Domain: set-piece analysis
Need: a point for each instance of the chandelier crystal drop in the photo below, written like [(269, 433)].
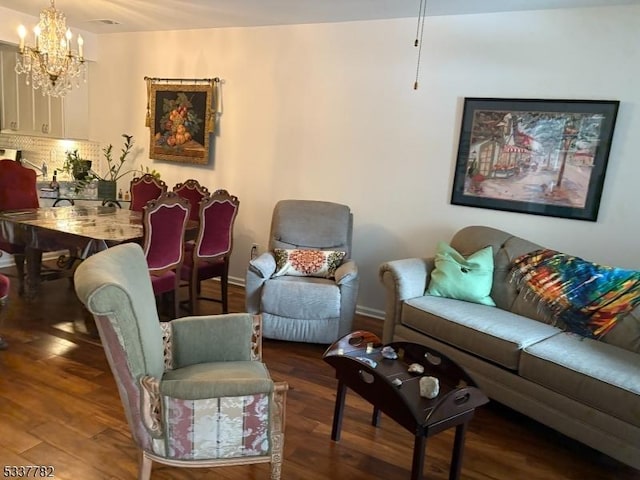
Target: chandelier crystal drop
[(51, 65)]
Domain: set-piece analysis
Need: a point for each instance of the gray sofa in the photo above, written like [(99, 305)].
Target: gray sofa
[(589, 390)]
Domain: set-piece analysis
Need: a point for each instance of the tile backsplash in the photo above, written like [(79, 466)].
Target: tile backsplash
[(51, 151)]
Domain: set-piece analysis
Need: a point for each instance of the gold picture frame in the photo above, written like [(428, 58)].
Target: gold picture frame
[(181, 121)]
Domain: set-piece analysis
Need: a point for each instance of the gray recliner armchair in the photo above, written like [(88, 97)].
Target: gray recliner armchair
[(299, 300)]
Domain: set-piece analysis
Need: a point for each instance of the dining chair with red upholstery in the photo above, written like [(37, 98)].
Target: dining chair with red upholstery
[(164, 221), (212, 250), (17, 191), (145, 188), (194, 192)]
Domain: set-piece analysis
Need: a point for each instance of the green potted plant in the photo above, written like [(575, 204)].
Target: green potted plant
[(107, 184), (78, 168)]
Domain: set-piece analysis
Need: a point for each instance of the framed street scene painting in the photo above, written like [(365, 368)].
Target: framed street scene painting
[(544, 157)]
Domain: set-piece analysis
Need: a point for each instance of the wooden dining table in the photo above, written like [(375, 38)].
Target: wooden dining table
[(83, 230)]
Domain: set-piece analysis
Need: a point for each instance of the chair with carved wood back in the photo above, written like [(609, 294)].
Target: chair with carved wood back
[(145, 188), (212, 250), (164, 221), (194, 192)]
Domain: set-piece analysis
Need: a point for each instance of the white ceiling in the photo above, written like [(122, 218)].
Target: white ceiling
[(149, 15)]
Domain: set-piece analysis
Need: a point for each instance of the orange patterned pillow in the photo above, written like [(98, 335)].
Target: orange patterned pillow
[(307, 263)]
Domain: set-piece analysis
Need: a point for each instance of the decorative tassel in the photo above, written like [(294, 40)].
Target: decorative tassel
[(213, 110), (147, 120)]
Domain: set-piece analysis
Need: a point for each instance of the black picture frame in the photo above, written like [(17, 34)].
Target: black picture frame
[(542, 157)]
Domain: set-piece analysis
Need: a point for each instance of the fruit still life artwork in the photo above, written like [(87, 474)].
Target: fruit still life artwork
[(179, 123), (180, 130)]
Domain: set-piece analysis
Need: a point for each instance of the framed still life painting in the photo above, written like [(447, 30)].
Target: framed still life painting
[(181, 119), (544, 157)]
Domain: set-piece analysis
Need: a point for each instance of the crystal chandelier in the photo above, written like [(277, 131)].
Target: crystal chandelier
[(51, 65)]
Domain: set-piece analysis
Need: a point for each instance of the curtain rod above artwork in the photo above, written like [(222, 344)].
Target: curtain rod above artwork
[(183, 80)]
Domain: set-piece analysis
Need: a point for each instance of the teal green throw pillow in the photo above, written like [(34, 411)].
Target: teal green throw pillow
[(462, 278)]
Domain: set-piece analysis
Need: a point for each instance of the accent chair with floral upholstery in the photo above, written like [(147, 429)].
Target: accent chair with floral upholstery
[(194, 390)]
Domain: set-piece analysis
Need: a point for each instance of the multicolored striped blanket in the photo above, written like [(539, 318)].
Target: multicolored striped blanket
[(586, 297)]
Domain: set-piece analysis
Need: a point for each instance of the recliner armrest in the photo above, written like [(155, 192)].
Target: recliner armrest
[(347, 272), (264, 265)]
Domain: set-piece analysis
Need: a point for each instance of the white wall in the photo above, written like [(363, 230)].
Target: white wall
[(328, 112)]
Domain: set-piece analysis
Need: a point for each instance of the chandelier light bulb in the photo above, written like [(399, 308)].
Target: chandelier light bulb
[(80, 46), (22, 33), (36, 33)]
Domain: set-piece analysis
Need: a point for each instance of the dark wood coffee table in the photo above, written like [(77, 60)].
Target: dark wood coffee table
[(360, 366)]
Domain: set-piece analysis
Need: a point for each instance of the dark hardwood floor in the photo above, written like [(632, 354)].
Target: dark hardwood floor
[(59, 406)]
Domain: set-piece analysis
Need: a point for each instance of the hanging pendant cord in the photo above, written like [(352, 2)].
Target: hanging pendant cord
[(422, 13)]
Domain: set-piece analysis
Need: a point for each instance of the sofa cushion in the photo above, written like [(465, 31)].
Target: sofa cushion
[(462, 278), (487, 332), (602, 376)]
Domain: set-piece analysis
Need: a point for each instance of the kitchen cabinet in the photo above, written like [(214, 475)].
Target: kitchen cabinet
[(9, 120), (26, 111), (47, 115)]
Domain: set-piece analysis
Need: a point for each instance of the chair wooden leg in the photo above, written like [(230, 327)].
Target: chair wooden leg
[(224, 290), (194, 285), (279, 399), (145, 467), (176, 296), (276, 456)]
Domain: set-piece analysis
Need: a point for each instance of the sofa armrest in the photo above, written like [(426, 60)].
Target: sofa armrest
[(402, 279)]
